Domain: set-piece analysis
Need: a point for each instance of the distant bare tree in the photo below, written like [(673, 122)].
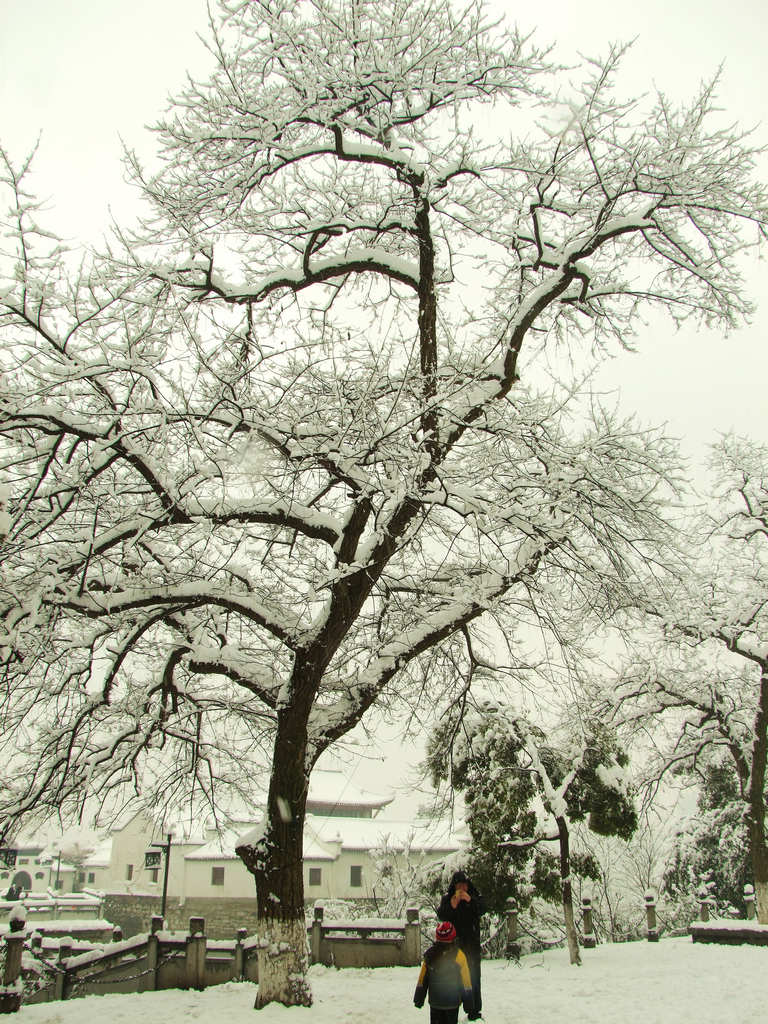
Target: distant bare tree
[(704, 677)]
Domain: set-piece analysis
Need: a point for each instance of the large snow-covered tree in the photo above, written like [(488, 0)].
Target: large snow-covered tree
[(704, 674), (269, 459)]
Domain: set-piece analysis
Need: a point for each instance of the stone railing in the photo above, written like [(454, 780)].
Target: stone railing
[(729, 931), (40, 969), (368, 942), (53, 906), (143, 963), (588, 938)]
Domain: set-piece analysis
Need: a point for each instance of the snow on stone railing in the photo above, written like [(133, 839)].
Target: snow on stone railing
[(728, 931), (366, 942), (142, 963), (54, 905)]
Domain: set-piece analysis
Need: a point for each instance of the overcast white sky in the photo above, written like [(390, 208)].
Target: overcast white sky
[(87, 72), (84, 73)]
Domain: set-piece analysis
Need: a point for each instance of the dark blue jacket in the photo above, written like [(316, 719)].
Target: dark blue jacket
[(444, 976)]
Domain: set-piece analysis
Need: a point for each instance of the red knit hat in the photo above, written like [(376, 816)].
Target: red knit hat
[(445, 932)]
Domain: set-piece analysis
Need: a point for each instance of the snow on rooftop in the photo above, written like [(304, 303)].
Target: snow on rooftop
[(101, 855), (333, 787), (327, 789), (314, 851), (223, 847), (322, 833), (369, 833), (181, 828)]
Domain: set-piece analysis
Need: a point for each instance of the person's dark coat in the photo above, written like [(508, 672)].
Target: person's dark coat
[(444, 977), (466, 916)]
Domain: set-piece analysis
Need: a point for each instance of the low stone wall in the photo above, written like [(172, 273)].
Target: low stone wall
[(732, 933), (223, 916), (366, 942), (81, 931)]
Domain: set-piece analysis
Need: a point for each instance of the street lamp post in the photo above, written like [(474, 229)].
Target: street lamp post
[(166, 849), (8, 856)]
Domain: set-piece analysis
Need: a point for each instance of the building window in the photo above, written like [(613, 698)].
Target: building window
[(5, 874), (129, 872), (81, 876), (217, 876), (315, 876), (58, 883), (23, 860), (356, 876), (39, 874), (91, 876), (153, 873)]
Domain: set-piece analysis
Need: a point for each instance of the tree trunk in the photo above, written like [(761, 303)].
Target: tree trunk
[(756, 800), (565, 875), (275, 859)]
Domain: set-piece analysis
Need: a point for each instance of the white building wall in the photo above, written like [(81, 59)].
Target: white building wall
[(193, 875), (129, 844), (237, 880)]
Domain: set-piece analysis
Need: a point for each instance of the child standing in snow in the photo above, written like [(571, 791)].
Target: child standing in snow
[(445, 977)]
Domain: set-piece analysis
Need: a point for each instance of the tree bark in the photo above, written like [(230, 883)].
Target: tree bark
[(565, 875), (275, 860), (756, 800)]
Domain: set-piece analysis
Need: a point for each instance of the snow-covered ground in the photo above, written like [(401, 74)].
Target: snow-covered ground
[(671, 982)]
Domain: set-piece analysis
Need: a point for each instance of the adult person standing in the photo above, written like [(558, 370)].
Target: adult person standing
[(463, 906)]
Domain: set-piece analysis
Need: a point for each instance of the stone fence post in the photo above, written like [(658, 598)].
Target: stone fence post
[(317, 935), (239, 965), (412, 944), (195, 950), (61, 978), (153, 960), (10, 1001), (650, 916), (703, 897), (749, 900), (588, 939), (512, 948)]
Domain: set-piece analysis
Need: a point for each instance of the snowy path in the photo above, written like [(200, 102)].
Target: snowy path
[(671, 982)]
